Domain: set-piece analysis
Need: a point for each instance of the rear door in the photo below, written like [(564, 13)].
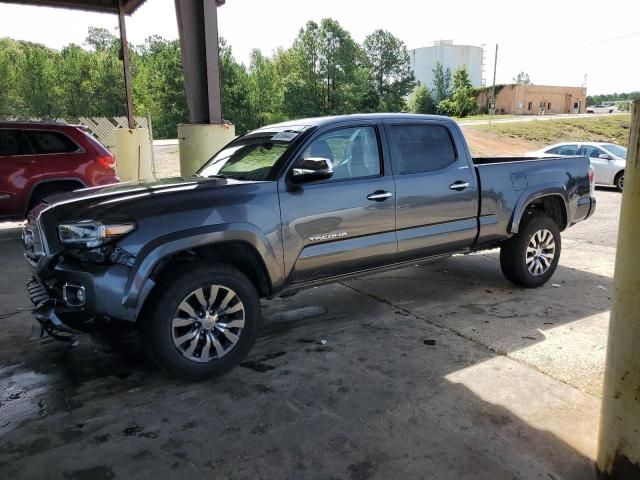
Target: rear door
[(344, 224), (18, 170), (436, 189), (58, 154)]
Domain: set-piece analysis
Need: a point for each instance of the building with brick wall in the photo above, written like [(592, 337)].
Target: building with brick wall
[(532, 99)]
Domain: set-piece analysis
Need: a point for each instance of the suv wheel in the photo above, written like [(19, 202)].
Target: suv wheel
[(530, 257), (202, 322)]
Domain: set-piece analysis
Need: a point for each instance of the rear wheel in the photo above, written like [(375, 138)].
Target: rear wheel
[(530, 257), (202, 322), (619, 181)]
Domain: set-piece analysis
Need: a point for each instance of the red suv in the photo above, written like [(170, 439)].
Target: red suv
[(38, 159)]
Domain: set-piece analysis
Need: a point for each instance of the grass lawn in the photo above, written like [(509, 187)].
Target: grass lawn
[(612, 128), (485, 117)]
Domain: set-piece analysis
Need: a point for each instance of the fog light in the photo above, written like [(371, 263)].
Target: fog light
[(73, 295)]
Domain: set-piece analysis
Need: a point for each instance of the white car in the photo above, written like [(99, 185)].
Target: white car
[(601, 109), (607, 159)]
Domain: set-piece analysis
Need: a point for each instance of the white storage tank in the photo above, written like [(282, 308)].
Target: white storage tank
[(450, 56)]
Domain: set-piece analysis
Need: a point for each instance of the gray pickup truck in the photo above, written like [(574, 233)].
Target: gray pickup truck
[(282, 208)]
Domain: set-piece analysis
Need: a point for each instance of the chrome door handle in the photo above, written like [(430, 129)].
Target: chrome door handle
[(379, 196), (459, 185)]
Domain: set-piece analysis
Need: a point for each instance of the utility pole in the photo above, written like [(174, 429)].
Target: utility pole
[(124, 53), (492, 109), (619, 443)]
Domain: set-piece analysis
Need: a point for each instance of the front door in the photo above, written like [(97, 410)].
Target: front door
[(602, 168), (18, 169), (576, 107), (346, 223), (436, 190)]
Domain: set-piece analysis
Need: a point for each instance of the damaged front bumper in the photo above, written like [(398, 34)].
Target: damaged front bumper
[(63, 313), (45, 312)]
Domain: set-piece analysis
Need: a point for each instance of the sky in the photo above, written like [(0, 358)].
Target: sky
[(557, 42)]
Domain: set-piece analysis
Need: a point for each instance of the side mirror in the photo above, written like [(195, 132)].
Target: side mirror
[(605, 156), (311, 169)]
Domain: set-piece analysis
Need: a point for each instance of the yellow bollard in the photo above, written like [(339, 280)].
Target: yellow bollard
[(199, 142), (619, 442), (133, 154)]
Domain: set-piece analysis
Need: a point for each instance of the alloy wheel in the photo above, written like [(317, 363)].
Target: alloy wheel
[(208, 323), (540, 252)]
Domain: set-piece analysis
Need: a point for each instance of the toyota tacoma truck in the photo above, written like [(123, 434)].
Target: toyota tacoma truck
[(285, 207)]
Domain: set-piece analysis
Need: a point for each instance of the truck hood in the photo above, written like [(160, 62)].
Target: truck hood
[(118, 199)]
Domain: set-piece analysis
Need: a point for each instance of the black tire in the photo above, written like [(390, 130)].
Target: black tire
[(513, 260), (618, 182), (158, 328)]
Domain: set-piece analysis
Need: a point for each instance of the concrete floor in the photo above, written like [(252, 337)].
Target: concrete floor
[(443, 371)]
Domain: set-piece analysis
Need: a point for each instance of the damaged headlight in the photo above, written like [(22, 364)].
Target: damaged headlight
[(90, 234)]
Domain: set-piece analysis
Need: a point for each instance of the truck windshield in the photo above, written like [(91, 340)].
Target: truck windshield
[(249, 158)]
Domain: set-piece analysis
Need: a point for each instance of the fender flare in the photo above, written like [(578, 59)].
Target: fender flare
[(139, 284), (528, 196)]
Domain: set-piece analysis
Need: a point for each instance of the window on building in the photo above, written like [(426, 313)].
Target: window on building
[(549, 106), (530, 105)]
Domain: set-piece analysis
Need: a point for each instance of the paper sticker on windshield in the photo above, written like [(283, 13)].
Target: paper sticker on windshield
[(284, 136)]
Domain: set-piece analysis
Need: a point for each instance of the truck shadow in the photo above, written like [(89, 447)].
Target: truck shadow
[(396, 374)]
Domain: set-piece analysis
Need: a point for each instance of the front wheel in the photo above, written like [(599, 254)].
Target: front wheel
[(201, 322), (530, 257), (619, 181)]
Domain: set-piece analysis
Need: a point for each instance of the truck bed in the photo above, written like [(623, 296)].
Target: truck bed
[(508, 184), (492, 160)]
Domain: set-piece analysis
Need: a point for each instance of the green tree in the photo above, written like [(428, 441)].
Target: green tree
[(38, 81), (301, 65), (421, 101), (522, 79), (158, 85), (462, 101), (441, 82), (102, 40), (390, 70), (299, 90), (266, 92), (9, 97), (340, 63), (235, 90), (76, 89)]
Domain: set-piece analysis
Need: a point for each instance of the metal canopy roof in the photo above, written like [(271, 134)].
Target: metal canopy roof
[(105, 6)]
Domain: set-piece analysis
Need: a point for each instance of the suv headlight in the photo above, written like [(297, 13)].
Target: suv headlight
[(90, 234)]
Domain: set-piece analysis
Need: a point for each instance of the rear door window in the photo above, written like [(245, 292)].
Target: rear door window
[(420, 148), (12, 142), (48, 141), (564, 150)]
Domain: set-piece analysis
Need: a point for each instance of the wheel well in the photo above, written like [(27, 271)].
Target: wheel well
[(43, 189), (238, 254), (552, 206), (615, 179)]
